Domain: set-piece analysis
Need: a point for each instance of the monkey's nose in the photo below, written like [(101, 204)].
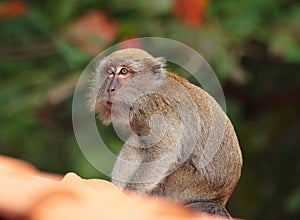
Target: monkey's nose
[(111, 93)]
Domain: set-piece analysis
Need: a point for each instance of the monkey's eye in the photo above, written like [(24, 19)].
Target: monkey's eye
[(110, 72), (123, 71)]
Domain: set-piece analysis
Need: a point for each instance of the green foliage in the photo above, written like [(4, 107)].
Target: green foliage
[(253, 46)]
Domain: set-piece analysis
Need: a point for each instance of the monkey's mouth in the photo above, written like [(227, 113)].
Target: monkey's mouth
[(115, 104), (109, 105)]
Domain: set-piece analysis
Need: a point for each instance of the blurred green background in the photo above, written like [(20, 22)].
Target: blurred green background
[(253, 46)]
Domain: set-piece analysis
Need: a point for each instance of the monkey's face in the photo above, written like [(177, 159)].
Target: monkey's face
[(108, 95), (115, 76)]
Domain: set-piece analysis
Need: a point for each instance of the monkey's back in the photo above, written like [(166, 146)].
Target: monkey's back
[(215, 163)]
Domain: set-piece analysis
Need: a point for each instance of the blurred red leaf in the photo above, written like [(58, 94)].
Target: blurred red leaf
[(191, 12), (92, 31), (12, 8), (130, 42)]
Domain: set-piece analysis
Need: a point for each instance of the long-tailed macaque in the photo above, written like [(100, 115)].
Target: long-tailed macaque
[(181, 145)]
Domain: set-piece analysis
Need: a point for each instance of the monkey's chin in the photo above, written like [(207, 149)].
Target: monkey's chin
[(103, 110), (106, 109)]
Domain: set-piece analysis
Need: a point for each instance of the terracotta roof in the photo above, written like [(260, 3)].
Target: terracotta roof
[(27, 193)]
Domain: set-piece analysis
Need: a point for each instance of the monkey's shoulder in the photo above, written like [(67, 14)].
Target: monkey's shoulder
[(184, 82), (195, 91), (181, 80)]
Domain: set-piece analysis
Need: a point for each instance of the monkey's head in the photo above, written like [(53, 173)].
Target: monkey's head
[(113, 72)]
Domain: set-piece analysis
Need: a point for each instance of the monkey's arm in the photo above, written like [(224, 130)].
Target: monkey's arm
[(141, 170), (126, 165)]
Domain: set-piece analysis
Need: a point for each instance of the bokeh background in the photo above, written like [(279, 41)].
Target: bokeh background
[(253, 46)]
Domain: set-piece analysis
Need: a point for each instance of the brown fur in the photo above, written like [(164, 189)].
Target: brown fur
[(205, 188)]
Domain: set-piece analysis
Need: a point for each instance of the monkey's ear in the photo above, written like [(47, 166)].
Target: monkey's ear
[(159, 64)]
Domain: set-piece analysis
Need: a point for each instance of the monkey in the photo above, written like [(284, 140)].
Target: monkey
[(180, 143)]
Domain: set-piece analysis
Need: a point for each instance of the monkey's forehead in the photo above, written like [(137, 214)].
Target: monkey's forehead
[(128, 54)]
